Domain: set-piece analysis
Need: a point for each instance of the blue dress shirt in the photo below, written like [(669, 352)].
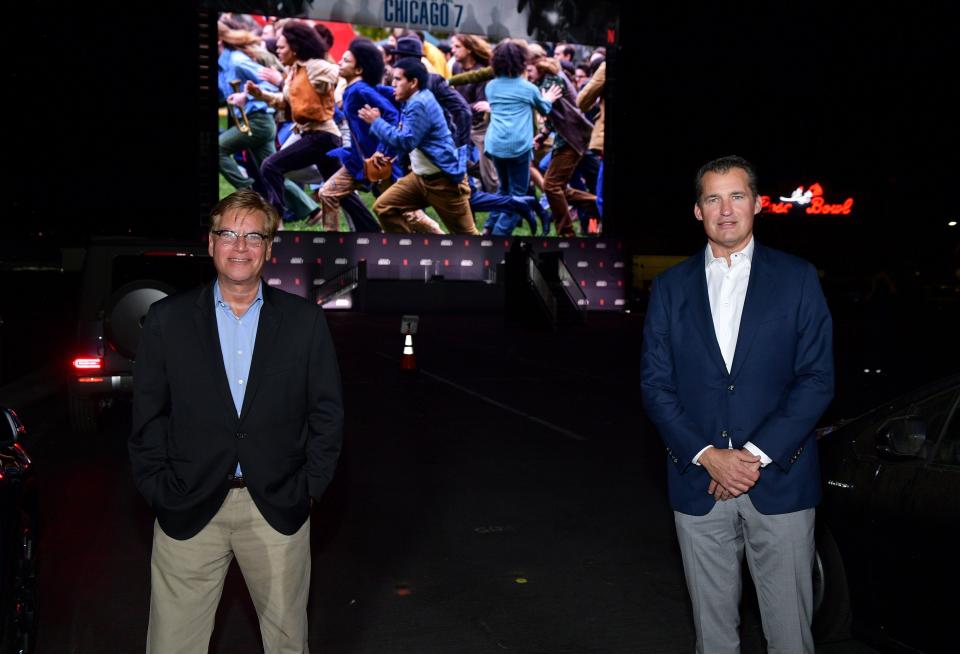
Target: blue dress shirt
[(512, 100), (237, 337)]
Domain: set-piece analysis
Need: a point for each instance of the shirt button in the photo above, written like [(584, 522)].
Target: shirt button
[(239, 381), (241, 434), (723, 433), (730, 387), (239, 351)]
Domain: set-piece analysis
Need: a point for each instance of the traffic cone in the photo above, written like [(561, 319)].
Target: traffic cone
[(408, 361)]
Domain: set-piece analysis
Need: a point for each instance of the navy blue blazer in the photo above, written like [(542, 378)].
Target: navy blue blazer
[(780, 383)]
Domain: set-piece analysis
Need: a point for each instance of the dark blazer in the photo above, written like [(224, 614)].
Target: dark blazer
[(780, 383), (187, 438), (456, 111)]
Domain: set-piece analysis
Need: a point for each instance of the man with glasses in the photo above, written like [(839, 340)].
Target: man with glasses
[(236, 431)]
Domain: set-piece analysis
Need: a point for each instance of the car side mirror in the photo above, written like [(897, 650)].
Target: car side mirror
[(11, 429), (902, 437)]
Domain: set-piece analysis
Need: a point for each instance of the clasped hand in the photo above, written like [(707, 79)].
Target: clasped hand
[(732, 472)]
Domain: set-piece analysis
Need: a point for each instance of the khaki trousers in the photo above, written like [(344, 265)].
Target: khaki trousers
[(411, 192), (338, 186), (186, 580)]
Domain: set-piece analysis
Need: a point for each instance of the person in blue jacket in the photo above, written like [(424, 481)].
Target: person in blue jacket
[(438, 166), (233, 64), (737, 368), (362, 67)]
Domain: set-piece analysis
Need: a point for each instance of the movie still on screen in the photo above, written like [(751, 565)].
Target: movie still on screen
[(327, 115)]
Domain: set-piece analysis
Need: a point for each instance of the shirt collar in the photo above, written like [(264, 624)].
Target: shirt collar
[(745, 254), (218, 295)]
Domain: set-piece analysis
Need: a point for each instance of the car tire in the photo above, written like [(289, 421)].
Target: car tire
[(84, 414), (831, 610)]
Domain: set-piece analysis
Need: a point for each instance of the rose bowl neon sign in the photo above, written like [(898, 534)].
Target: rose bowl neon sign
[(810, 201)]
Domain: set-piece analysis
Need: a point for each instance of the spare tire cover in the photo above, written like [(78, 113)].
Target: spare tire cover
[(126, 310)]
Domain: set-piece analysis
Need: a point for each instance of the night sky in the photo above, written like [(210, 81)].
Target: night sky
[(859, 98)]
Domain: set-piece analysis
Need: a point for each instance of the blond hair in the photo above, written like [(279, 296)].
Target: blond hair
[(245, 201)]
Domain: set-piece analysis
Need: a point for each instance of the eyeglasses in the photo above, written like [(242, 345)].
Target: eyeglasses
[(229, 237)]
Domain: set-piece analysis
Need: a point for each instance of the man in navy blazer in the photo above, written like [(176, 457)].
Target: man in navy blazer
[(737, 368)]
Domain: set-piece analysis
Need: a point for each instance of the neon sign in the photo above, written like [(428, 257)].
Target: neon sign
[(811, 201)]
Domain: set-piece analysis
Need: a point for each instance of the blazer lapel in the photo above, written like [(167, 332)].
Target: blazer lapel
[(758, 290), (267, 329), (205, 321), (700, 310)]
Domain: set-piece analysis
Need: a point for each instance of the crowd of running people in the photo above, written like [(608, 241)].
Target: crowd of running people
[(462, 126)]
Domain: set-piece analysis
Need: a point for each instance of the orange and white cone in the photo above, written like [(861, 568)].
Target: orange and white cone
[(408, 361)]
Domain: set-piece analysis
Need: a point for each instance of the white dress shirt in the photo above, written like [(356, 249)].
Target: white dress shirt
[(727, 291)]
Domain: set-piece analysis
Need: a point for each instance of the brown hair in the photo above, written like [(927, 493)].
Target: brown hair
[(245, 201), (245, 41), (478, 47), (722, 166), (546, 65), (509, 59)]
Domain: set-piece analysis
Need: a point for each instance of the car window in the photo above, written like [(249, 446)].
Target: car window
[(934, 412), (179, 272)]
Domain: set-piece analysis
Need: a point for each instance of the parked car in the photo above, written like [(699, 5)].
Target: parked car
[(121, 279), (888, 524), (18, 529)]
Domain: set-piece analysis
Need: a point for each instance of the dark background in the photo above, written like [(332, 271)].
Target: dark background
[(110, 130), (113, 125), (856, 95), (113, 131)]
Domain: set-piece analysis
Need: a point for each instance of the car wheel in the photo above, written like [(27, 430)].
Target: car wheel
[(831, 597), (84, 415)]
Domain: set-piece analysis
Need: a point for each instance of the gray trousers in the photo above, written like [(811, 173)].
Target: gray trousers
[(779, 551)]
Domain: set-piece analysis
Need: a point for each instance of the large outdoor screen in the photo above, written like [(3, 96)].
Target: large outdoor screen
[(534, 166)]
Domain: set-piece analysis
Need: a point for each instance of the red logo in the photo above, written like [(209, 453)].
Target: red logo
[(811, 200)]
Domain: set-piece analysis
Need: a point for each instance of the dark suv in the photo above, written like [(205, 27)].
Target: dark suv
[(18, 528), (121, 279)]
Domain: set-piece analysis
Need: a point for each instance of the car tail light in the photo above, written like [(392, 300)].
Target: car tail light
[(88, 363)]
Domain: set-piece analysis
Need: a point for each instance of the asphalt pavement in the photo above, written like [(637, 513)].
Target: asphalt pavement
[(509, 496)]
